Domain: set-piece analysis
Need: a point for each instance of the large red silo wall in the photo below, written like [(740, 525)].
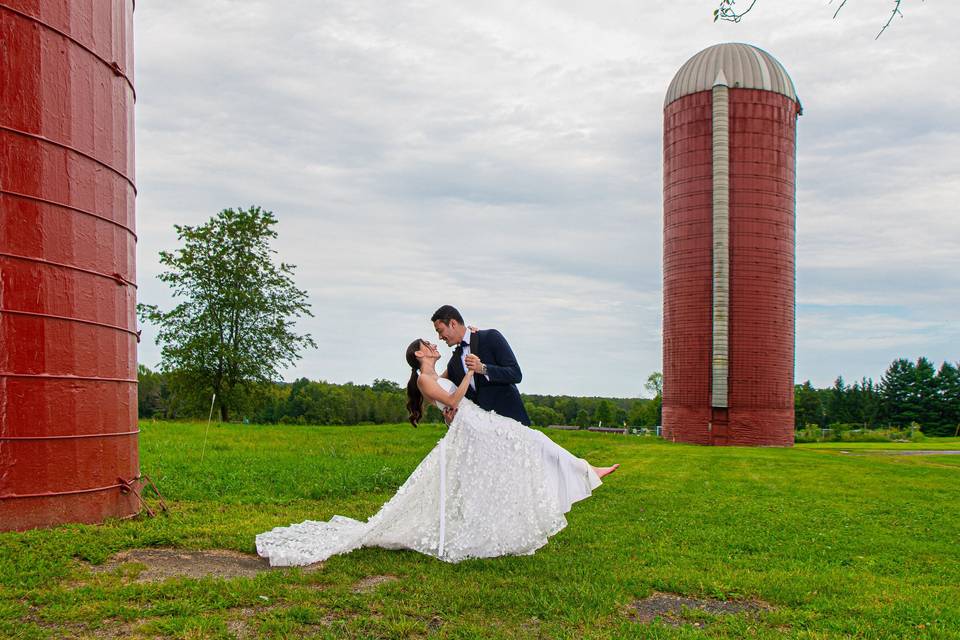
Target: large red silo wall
[(687, 267), (762, 269), (762, 272), (68, 396)]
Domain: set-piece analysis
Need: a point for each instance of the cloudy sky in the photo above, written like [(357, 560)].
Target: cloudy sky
[(505, 157)]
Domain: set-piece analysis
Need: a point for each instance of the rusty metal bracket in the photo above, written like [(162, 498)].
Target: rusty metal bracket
[(142, 480)]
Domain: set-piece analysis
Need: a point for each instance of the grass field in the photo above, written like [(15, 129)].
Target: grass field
[(840, 540)]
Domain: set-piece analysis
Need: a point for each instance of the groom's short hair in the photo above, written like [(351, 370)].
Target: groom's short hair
[(445, 314)]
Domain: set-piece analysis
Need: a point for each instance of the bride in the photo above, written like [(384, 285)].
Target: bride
[(491, 487)]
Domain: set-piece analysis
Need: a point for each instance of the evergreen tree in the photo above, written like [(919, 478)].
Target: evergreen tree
[(863, 403), (948, 398), (837, 406), (868, 403), (926, 398), (854, 403), (899, 402)]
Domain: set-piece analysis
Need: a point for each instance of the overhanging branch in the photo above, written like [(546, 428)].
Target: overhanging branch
[(728, 13)]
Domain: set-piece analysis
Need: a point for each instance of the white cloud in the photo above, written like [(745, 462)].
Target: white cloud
[(506, 158)]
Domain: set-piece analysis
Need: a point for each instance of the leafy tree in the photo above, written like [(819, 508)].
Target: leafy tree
[(654, 385), (149, 393), (807, 406), (603, 414), (542, 416), (582, 419), (271, 403), (619, 417), (568, 409), (655, 412), (234, 325), (166, 396), (381, 385)]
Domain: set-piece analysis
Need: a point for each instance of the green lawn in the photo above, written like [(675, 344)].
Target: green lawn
[(859, 544)]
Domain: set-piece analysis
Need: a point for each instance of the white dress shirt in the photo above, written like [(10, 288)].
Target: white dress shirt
[(464, 354)]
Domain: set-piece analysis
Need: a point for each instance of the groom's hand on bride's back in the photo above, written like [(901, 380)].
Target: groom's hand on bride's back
[(448, 415)]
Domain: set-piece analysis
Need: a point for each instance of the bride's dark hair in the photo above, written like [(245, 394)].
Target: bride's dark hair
[(414, 397)]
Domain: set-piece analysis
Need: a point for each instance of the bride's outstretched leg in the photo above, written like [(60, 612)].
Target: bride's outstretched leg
[(605, 471)]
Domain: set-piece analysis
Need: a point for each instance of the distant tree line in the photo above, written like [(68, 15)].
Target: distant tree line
[(169, 396), (908, 394)]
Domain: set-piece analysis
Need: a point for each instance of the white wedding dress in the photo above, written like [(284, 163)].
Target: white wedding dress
[(491, 487)]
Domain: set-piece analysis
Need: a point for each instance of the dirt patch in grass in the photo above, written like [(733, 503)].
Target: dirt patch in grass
[(240, 621), (114, 632), (675, 610), (240, 628), (365, 585), (155, 565), (110, 628), (244, 622)]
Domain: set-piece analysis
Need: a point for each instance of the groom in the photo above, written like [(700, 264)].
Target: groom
[(487, 354)]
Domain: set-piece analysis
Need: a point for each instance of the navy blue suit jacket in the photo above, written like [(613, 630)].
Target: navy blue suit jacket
[(500, 392)]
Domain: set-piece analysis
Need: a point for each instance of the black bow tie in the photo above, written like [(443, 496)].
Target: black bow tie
[(464, 344)]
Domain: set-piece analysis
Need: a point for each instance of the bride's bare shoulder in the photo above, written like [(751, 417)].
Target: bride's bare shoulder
[(429, 387), (422, 380)]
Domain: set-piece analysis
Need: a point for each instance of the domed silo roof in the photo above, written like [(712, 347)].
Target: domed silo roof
[(743, 66)]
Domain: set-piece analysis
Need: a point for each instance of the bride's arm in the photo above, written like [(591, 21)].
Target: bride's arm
[(433, 391)]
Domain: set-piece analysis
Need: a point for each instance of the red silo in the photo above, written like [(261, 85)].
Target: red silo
[(68, 341), (728, 250)]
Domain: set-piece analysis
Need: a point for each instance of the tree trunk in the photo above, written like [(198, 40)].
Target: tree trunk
[(224, 412)]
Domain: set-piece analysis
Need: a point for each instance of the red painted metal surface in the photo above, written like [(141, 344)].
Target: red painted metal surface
[(762, 226), (687, 267), (68, 397)]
